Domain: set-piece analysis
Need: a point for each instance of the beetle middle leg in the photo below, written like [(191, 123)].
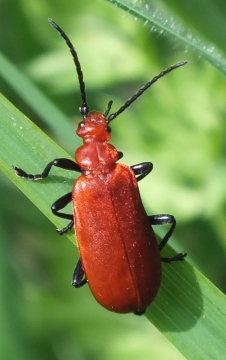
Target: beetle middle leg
[(78, 279), (60, 204), (163, 219), (63, 163)]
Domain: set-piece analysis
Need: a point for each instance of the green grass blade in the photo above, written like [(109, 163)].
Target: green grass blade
[(36, 100), (189, 310), (156, 21), (24, 145)]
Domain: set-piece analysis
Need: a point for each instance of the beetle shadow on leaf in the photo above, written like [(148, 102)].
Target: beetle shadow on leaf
[(179, 303)]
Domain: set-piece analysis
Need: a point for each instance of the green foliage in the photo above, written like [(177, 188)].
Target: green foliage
[(178, 125)]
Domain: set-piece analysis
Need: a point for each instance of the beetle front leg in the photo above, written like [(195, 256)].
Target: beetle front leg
[(162, 220), (66, 164), (120, 155), (142, 169), (78, 275), (60, 204)]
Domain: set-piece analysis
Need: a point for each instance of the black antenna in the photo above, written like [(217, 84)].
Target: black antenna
[(84, 110), (108, 108), (143, 89)]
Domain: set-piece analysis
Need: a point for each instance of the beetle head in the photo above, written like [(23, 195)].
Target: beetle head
[(94, 127)]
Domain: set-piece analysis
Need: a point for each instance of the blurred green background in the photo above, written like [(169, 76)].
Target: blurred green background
[(179, 125)]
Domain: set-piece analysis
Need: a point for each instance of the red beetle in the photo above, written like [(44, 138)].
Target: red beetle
[(119, 254)]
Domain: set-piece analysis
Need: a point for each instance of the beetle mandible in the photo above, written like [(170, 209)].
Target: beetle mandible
[(119, 254)]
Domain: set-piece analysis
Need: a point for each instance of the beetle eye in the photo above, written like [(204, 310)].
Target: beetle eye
[(108, 129), (81, 124)]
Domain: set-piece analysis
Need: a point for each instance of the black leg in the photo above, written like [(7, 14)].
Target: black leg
[(177, 257), (77, 279), (120, 155), (60, 204), (142, 169), (61, 163), (139, 312), (162, 220)]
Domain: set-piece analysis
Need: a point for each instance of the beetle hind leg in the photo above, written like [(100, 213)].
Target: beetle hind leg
[(163, 219), (78, 279), (139, 312)]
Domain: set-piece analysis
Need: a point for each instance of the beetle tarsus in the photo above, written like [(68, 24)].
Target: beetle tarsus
[(21, 173), (66, 228), (177, 257)]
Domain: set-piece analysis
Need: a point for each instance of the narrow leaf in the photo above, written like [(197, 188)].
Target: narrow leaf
[(158, 22)]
